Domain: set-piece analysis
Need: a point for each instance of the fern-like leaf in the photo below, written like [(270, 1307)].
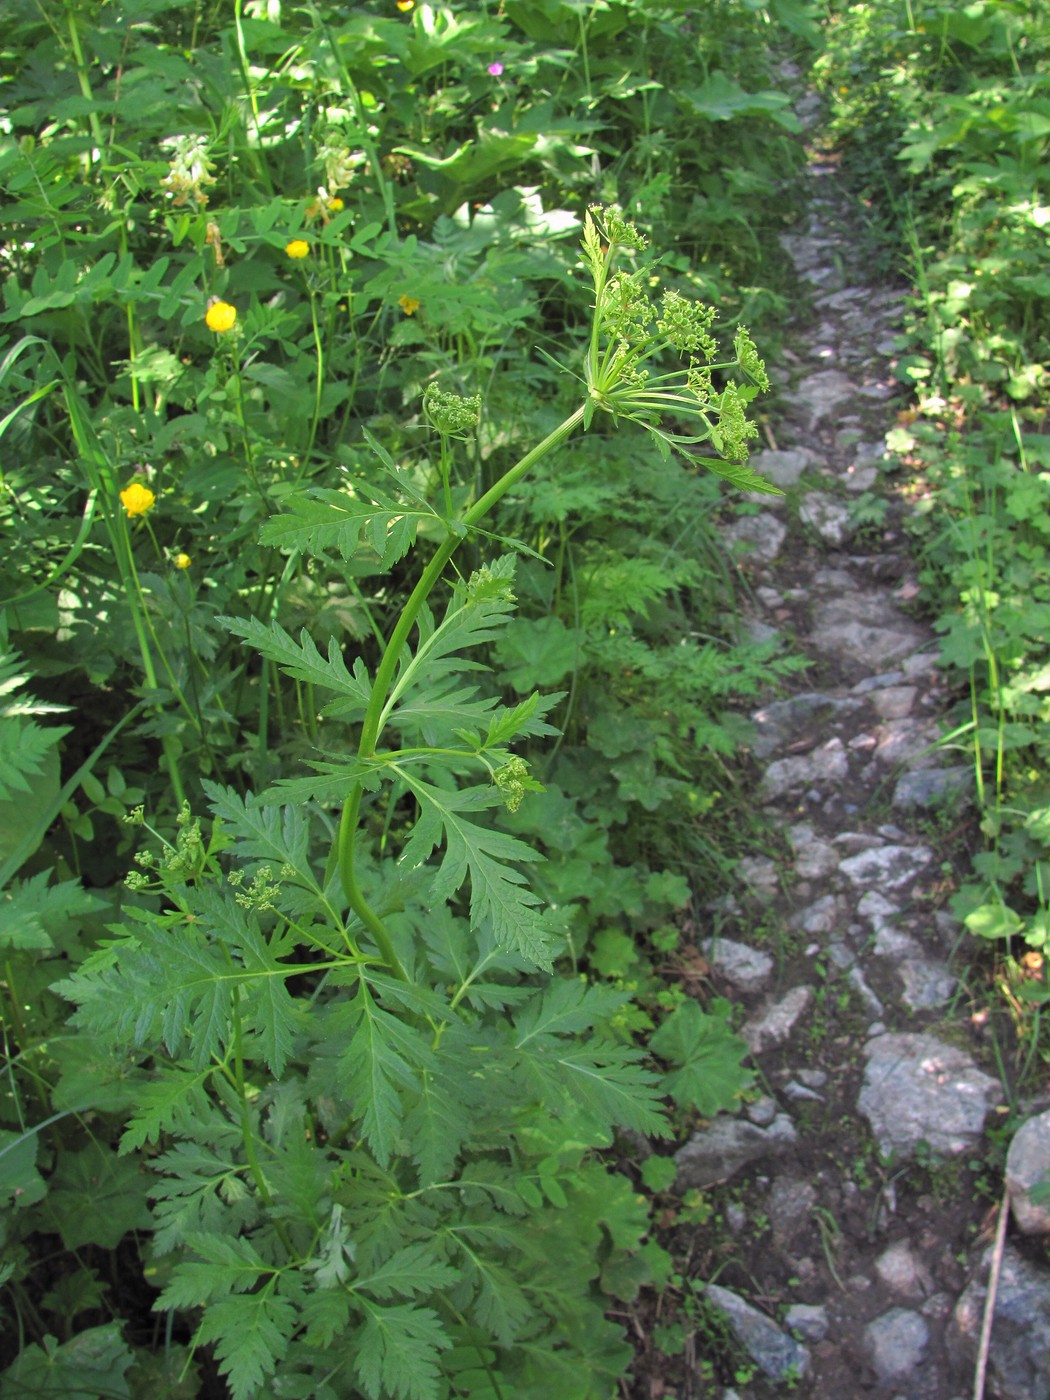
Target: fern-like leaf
[(396, 1352), (499, 895)]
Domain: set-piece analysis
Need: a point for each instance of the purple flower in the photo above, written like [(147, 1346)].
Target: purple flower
[(496, 69)]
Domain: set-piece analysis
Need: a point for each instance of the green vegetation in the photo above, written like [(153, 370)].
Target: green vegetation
[(369, 380), (368, 659)]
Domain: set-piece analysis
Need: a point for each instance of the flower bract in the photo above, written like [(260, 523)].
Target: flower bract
[(137, 499)]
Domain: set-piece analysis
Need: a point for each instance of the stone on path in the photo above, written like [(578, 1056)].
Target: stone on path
[(718, 1151), (747, 968), (775, 1024), (828, 516), (919, 1089), (782, 468), (887, 867), (1019, 1355), (820, 394), (828, 764), (786, 721), (1027, 1165), (930, 787), (864, 627), (758, 537), (897, 1343), (777, 1355)]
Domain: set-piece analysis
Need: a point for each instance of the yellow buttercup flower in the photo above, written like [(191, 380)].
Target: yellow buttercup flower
[(298, 248), (408, 305), (137, 499), (405, 5), (221, 316), (335, 205), (183, 561)]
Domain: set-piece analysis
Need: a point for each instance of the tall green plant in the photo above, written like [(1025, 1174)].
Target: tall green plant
[(371, 1127)]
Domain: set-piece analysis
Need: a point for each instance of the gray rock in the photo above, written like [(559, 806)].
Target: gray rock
[(773, 1025), (823, 916), (1019, 1355), (783, 468), (762, 1111), (878, 909), (828, 517), (889, 867), (1028, 1165), (786, 721), (808, 1320), (718, 1151), (820, 394), (813, 858), (917, 1088), (927, 983), (872, 683), (828, 764), (897, 1343), (747, 968), (760, 874), (757, 537), (777, 1355), (930, 787), (895, 702), (859, 984), (908, 741), (791, 1203), (902, 1270), (864, 627)]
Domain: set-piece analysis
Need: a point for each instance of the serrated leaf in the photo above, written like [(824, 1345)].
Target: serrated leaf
[(29, 909), (302, 660), (375, 1068), (414, 1269), (396, 1353), (499, 894), (327, 521), (227, 1264), (250, 1333), (175, 1099)]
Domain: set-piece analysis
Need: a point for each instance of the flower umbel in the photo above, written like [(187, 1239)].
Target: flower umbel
[(409, 305), (221, 317), (451, 414), (297, 249), (137, 499)]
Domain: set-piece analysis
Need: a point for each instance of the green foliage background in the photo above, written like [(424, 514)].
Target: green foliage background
[(247, 1147)]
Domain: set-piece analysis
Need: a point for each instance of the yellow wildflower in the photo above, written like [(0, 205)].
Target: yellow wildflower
[(408, 305), (183, 561), (137, 499), (405, 5), (221, 316), (298, 248), (335, 205)]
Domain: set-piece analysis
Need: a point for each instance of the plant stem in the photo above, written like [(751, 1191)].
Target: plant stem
[(374, 714)]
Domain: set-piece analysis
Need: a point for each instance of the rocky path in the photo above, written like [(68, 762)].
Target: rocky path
[(853, 1205)]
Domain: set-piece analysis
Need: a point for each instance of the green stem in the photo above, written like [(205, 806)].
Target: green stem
[(374, 714)]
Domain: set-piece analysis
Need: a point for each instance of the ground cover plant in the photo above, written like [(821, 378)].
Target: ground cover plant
[(360, 743), (945, 111)]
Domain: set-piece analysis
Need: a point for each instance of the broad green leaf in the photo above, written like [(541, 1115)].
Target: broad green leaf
[(709, 1053), (90, 1366), (96, 1197)]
